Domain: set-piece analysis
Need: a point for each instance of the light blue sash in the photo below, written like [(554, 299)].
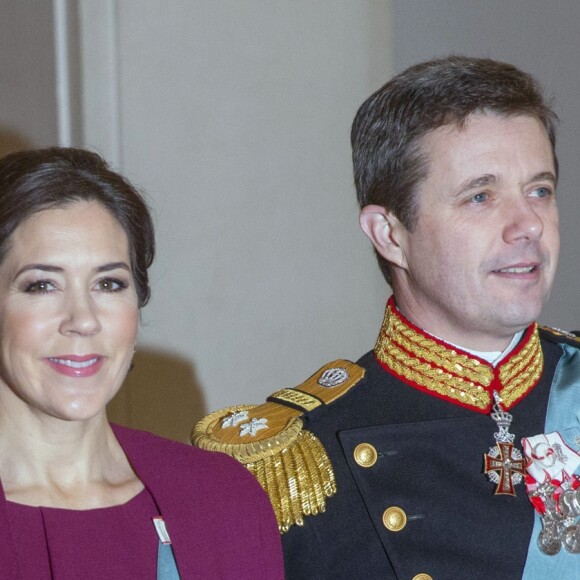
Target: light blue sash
[(563, 415), (166, 566)]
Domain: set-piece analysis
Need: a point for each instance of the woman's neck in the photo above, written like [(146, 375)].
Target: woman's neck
[(68, 464)]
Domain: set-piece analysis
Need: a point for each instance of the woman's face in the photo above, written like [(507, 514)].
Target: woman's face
[(68, 313)]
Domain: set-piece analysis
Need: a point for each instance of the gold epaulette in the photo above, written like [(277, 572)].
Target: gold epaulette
[(559, 335), (290, 463)]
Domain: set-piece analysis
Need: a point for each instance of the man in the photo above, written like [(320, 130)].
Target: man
[(409, 464)]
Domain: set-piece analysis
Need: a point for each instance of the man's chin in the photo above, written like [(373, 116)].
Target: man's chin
[(518, 319)]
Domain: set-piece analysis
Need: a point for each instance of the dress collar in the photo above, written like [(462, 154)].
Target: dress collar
[(447, 372)]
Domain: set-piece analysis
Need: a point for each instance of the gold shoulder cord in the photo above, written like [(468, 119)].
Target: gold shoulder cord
[(290, 463)]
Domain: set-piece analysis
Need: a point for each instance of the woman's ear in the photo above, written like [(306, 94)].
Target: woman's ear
[(386, 233)]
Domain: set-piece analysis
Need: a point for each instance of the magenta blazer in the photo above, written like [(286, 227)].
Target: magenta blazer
[(220, 520)]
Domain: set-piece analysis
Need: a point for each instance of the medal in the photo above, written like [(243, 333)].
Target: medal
[(504, 464), (554, 491)]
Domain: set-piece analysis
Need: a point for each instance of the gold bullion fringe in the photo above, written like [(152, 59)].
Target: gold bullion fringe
[(298, 480), (292, 466)]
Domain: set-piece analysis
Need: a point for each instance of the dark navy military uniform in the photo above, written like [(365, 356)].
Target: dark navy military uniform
[(429, 465), (406, 443)]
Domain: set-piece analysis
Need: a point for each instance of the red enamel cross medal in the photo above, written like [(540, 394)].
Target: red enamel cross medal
[(504, 464)]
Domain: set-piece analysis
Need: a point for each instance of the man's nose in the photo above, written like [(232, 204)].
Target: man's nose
[(523, 223)]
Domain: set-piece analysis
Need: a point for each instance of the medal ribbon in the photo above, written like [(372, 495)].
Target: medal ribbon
[(553, 463)]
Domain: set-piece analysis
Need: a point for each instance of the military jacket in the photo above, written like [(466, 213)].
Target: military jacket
[(406, 443)]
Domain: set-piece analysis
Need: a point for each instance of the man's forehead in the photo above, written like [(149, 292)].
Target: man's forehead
[(485, 126), (487, 148), (464, 124)]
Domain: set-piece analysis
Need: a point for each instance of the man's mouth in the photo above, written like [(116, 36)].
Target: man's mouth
[(517, 270)]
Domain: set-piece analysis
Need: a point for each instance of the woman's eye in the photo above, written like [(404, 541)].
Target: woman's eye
[(40, 287), (111, 285)]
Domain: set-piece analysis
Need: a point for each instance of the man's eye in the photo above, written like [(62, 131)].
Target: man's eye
[(542, 192), (111, 285), (39, 287), (480, 197)]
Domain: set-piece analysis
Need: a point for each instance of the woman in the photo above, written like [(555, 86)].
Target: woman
[(80, 498)]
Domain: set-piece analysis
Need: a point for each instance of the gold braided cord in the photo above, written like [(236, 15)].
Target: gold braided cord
[(514, 392), (518, 364), (518, 378), (435, 379), (428, 349), (424, 362)]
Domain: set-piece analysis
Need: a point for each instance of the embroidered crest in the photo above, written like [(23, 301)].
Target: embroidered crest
[(333, 377), (234, 418), (253, 426)]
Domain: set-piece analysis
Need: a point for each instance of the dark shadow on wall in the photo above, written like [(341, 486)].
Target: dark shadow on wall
[(11, 141), (161, 395)]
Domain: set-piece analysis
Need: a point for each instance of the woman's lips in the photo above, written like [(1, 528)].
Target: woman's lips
[(76, 366)]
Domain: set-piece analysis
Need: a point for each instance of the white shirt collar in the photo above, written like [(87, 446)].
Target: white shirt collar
[(493, 357)]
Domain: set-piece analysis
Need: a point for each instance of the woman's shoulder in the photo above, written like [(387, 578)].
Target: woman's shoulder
[(150, 452)]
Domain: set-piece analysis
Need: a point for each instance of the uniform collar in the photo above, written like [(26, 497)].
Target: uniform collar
[(447, 372)]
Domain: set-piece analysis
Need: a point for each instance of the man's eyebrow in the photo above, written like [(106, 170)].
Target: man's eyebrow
[(489, 179), (481, 181), (545, 176)]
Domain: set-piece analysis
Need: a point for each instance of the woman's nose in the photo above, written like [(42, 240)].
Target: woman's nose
[(80, 316)]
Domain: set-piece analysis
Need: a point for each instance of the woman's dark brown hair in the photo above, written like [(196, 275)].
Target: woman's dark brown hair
[(31, 181)]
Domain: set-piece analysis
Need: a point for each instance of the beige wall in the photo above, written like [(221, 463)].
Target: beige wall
[(27, 75), (234, 117)]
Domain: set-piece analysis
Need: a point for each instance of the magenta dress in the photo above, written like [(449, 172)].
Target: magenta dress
[(219, 519), (98, 543)]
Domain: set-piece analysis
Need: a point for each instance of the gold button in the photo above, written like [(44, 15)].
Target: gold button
[(422, 577), (365, 455), (394, 519)]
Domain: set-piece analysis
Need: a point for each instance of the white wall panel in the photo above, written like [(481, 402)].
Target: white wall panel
[(235, 118)]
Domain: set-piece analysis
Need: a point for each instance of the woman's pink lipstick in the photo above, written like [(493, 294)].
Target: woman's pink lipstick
[(76, 366)]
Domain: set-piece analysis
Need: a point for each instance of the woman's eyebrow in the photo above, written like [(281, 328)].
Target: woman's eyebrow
[(43, 267), (113, 266)]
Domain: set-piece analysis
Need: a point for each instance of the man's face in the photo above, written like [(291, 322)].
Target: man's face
[(480, 263)]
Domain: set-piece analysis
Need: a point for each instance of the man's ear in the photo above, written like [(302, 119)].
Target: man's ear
[(386, 233)]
